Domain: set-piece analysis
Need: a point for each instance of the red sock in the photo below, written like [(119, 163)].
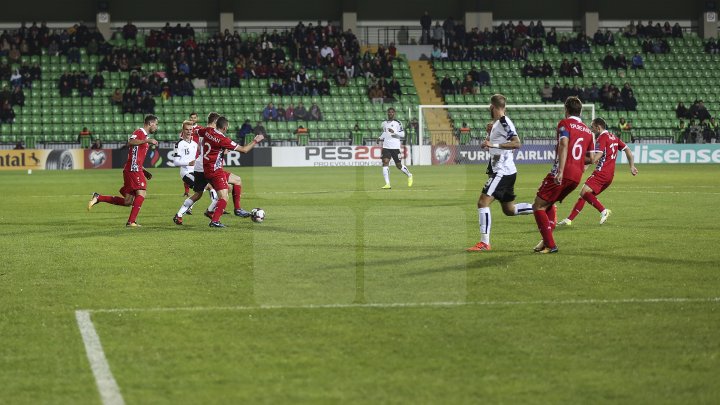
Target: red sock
[(543, 223), (592, 199), (577, 208), (187, 188), (137, 203), (552, 215), (111, 200), (237, 190), (219, 208)]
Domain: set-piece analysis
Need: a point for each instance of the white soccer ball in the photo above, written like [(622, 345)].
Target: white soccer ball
[(257, 214)]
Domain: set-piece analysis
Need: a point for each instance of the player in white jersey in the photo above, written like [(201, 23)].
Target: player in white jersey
[(192, 118), (185, 154), (502, 140), (199, 182), (392, 137)]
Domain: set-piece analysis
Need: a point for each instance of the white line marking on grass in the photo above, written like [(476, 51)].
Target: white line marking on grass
[(320, 192), (415, 305), (109, 390)]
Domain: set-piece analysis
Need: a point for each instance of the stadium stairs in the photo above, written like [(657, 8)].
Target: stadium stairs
[(437, 121)]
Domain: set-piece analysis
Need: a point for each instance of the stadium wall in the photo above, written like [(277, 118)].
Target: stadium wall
[(376, 10), (328, 156), (528, 154), (358, 155)]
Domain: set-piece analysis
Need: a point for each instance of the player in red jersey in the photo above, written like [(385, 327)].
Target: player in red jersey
[(607, 147), (200, 183), (214, 146), (574, 142), (134, 175)]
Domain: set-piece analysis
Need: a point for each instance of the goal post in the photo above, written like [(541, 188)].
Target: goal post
[(535, 123)]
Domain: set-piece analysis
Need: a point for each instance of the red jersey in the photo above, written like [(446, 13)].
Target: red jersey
[(136, 154), (580, 141), (609, 145), (214, 145), (198, 133)]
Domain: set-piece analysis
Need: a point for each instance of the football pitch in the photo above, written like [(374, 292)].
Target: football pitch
[(352, 294)]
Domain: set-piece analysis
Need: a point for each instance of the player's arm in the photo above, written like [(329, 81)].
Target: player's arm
[(247, 148), (562, 158), (381, 138), (631, 161), (513, 143), (136, 142)]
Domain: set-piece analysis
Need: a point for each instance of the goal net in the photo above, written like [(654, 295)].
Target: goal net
[(458, 124)]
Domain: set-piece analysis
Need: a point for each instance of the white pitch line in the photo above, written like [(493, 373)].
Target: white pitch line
[(319, 192), (109, 390), (413, 305)]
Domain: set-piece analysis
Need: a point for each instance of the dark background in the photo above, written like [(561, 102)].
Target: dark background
[(370, 10)]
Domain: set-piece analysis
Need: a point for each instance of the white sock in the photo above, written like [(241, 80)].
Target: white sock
[(485, 223), (523, 209), (187, 204), (405, 170), (386, 174), (213, 203)]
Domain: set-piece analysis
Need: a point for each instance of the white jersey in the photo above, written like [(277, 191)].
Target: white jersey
[(389, 142), (199, 140), (502, 161), (185, 153)]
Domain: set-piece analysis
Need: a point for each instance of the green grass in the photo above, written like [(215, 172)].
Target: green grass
[(575, 327)]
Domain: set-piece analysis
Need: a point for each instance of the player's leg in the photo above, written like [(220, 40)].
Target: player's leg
[(235, 182), (220, 185), (402, 167), (595, 186), (187, 189), (577, 208), (386, 167), (511, 208), (99, 198), (137, 203), (213, 201), (484, 220), (199, 184), (220, 208), (545, 199), (552, 215), (115, 200), (540, 207), (505, 193)]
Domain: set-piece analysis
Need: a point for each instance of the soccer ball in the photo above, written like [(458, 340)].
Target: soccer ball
[(257, 214)]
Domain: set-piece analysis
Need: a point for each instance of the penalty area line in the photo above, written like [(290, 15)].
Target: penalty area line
[(107, 386), (414, 305)]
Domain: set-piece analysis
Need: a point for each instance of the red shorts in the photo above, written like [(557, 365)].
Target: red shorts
[(551, 192), (227, 176), (133, 181), (597, 183), (219, 180)]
